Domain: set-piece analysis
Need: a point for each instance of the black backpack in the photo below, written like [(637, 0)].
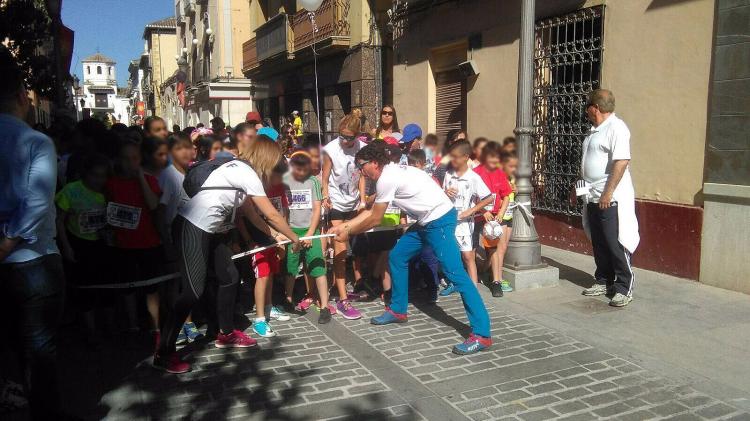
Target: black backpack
[(198, 173)]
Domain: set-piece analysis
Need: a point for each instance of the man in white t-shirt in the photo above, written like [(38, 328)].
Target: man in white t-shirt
[(416, 193), (609, 215)]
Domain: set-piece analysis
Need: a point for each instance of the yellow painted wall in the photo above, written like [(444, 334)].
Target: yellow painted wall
[(656, 61), (242, 30)]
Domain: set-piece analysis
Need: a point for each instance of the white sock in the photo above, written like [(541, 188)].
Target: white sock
[(260, 319)]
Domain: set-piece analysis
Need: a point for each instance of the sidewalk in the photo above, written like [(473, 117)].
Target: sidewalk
[(679, 351)]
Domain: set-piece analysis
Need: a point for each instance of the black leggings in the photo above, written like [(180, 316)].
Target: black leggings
[(199, 249)]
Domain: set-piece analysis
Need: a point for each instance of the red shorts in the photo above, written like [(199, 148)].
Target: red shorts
[(266, 263)]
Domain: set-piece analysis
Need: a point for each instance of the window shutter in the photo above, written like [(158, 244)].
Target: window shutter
[(450, 102)]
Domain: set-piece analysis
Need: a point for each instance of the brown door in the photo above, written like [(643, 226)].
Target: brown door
[(450, 102)]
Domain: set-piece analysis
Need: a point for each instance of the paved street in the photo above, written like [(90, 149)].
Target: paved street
[(556, 356)]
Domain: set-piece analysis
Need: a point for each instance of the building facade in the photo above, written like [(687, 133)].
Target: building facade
[(670, 74), (99, 88), (346, 38), (158, 61), (209, 82)]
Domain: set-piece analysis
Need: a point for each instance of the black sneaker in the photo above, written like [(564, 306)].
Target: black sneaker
[(325, 316), (496, 288)]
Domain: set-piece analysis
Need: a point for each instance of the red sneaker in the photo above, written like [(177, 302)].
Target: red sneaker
[(236, 339), (171, 364)]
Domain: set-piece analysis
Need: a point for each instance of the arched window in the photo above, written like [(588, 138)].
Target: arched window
[(88, 70), (98, 70)]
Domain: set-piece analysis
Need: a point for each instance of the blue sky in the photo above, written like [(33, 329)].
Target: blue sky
[(114, 26)]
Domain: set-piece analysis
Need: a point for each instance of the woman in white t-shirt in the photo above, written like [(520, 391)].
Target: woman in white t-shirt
[(413, 191), (202, 232), (343, 195)]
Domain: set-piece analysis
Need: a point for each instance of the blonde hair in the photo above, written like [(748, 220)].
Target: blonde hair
[(352, 123), (263, 156)]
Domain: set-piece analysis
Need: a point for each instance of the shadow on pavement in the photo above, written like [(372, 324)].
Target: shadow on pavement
[(571, 274)]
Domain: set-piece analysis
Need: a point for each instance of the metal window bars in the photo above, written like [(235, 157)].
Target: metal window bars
[(567, 66)]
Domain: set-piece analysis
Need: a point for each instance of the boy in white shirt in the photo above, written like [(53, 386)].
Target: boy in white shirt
[(469, 194)]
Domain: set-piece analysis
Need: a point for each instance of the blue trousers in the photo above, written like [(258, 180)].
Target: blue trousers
[(439, 234)]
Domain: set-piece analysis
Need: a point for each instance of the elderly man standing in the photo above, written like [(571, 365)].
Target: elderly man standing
[(609, 215), (31, 274)]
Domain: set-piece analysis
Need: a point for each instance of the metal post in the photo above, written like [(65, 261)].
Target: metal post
[(524, 250)]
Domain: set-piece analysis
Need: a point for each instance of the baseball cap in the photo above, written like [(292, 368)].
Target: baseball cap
[(411, 132), (253, 117), (295, 112), (270, 132)]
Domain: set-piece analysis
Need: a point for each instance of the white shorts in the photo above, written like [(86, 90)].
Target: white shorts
[(464, 231), (465, 242)]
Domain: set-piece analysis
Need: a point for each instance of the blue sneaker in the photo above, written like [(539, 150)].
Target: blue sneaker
[(182, 337), (192, 332), (388, 317), (505, 286), (263, 329), (472, 345), (450, 289)]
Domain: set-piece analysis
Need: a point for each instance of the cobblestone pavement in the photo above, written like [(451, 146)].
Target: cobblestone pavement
[(351, 370)]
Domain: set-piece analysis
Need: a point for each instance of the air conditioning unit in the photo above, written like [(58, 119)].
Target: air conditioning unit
[(468, 69)]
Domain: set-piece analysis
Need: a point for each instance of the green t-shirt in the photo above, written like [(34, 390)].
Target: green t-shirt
[(301, 195), (86, 208)]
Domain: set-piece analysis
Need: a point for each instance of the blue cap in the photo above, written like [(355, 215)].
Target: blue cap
[(411, 131), (270, 132)]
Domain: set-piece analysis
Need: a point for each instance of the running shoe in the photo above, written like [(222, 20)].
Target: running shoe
[(192, 332), (182, 337), (263, 329), (472, 345), (388, 317), (305, 304), (332, 309), (325, 316), (596, 290), (505, 286), (236, 339), (497, 289), (450, 289), (620, 300), (348, 311), (171, 364), (277, 313)]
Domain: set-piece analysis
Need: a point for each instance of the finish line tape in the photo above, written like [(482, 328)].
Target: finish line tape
[(280, 243)]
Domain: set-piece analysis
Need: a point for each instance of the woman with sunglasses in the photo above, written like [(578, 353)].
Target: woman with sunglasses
[(343, 194), (388, 123)]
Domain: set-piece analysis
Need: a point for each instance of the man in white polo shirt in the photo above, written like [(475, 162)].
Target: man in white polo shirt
[(609, 215)]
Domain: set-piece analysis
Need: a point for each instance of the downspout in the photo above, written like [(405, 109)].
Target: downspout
[(227, 32)]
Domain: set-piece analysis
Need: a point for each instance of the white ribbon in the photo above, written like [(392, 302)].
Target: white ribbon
[(524, 206), (280, 243)]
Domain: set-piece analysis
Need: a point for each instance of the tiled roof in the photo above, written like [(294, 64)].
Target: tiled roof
[(98, 58), (169, 22)]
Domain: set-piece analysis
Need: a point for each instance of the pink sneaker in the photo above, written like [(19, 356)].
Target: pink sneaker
[(348, 311), (332, 308), (305, 304), (236, 339), (171, 364)]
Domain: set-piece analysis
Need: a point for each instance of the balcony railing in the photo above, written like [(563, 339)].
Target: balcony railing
[(249, 55), (331, 19), (274, 37)]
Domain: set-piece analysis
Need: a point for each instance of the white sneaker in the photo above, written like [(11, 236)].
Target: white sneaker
[(278, 314), (596, 290), (620, 300)]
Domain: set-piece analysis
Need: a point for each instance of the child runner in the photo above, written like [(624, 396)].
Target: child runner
[(496, 180), (173, 197), (469, 194), (133, 196), (202, 233), (476, 153), (341, 194), (266, 263), (510, 165), (304, 197), (80, 223), (419, 196)]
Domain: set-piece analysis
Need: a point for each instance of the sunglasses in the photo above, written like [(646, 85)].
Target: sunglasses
[(348, 138), (361, 164), (387, 113)]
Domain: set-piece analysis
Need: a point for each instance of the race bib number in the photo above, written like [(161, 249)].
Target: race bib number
[(123, 216), (392, 208), (92, 221), (277, 203), (300, 199), (491, 206), (509, 211)]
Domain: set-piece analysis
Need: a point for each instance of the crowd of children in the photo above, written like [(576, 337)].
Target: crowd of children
[(124, 198)]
